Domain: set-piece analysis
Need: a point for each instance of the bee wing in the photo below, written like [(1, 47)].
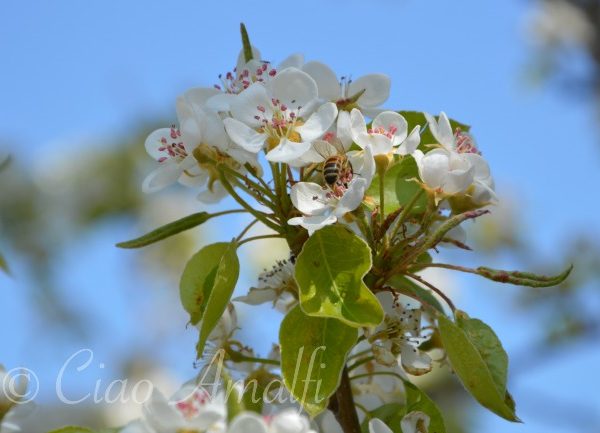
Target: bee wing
[(320, 151)]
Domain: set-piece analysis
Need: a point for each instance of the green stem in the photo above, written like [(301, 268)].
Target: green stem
[(435, 289), (257, 214), (376, 373), (248, 227), (255, 238), (405, 212), (382, 198)]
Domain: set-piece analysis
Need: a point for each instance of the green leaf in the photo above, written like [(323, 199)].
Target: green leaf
[(489, 347), (417, 400), (522, 278), (413, 290), (313, 355), (247, 47), (167, 230), (415, 118), (207, 284), (472, 369), (399, 188), (72, 429), (329, 272)]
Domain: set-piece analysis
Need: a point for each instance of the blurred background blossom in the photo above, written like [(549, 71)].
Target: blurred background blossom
[(84, 83)]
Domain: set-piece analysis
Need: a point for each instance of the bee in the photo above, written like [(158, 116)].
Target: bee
[(337, 168)]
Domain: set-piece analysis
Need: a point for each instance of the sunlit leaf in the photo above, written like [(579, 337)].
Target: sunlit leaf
[(330, 270), (472, 369), (313, 355), (207, 284)]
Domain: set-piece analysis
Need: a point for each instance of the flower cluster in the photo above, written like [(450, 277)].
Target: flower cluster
[(364, 197), (301, 115)]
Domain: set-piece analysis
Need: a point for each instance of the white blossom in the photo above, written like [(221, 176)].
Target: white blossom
[(367, 92), (456, 166), (244, 75), (388, 133), (200, 130), (397, 339), (275, 285), (280, 117)]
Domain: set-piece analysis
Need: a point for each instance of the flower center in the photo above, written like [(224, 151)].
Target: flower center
[(209, 158), (236, 82), (389, 132), (281, 124), (465, 143), (172, 146)]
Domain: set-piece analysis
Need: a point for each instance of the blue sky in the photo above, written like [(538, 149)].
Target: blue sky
[(75, 69)]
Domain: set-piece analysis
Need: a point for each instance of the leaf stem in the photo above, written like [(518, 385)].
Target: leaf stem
[(255, 238), (248, 227), (435, 289), (257, 214)]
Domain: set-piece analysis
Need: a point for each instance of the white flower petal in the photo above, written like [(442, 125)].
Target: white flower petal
[(380, 144), (164, 175), (248, 422), (378, 426), (460, 176), (289, 421), (415, 422), (199, 96), (220, 102), (481, 169), (241, 60), (153, 142), (244, 136), (433, 167), (411, 143), (327, 82), (344, 130), (309, 198), (441, 130), (295, 60), (377, 89), (161, 415), (289, 152), (214, 194), (258, 296), (358, 128), (388, 119), (414, 361), (363, 164), (294, 88), (318, 122), (312, 223), (352, 198), (244, 107)]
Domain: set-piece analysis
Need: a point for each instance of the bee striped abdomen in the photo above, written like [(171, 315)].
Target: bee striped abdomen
[(331, 170)]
